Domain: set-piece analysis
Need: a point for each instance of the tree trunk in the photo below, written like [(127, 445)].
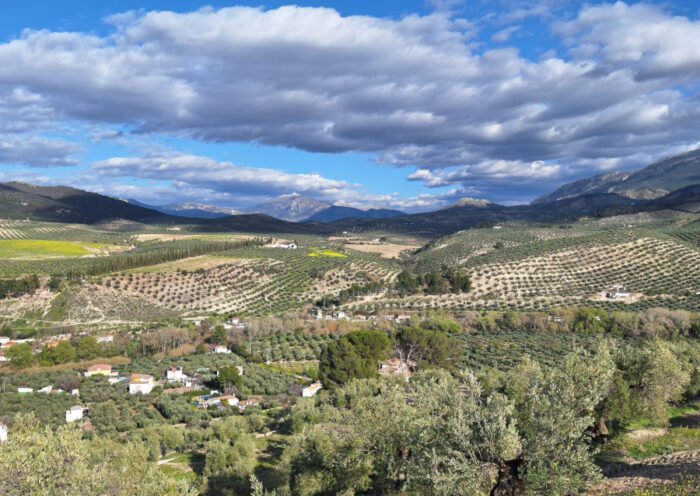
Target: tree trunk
[(509, 482)]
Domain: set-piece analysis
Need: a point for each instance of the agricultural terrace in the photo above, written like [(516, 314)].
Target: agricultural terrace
[(247, 281), (539, 268)]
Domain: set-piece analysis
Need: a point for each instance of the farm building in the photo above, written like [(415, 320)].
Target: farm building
[(75, 413), (99, 369), (141, 384), (175, 374), (222, 349), (311, 390), (3, 433)]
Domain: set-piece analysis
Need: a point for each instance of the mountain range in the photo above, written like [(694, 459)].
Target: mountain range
[(654, 181), (290, 208), (192, 210), (671, 183)]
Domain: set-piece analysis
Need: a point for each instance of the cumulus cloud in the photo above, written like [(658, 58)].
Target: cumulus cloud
[(223, 177), (413, 91), (37, 152)]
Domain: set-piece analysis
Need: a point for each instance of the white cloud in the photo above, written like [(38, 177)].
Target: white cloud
[(36, 151), (412, 91)]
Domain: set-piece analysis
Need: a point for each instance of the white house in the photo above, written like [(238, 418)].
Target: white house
[(240, 369), (75, 413), (229, 399), (24, 390), (141, 384), (339, 315), (175, 374), (105, 339), (222, 349), (234, 323), (3, 433), (311, 390), (284, 246)]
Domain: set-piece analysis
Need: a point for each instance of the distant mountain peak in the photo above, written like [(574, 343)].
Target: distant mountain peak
[(292, 207), (654, 181), (470, 202)]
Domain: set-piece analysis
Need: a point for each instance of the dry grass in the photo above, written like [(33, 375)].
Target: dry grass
[(385, 250), (65, 367)]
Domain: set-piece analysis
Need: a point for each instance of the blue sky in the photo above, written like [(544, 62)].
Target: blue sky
[(401, 104)]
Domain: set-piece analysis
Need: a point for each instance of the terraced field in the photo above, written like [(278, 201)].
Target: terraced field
[(541, 268), (247, 281)]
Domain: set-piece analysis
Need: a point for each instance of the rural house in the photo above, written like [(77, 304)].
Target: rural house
[(75, 413), (99, 369), (141, 384)]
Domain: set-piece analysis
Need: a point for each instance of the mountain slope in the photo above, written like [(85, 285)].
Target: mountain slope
[(190, 210), (336, 212), (292, 208), (65, 204), (654, 181), (455, 219)]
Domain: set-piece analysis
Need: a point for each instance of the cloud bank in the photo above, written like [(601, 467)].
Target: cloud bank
[(420, 92)]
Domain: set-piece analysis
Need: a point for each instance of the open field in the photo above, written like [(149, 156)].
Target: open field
[(520, 267), (39, 248), (385, 250)]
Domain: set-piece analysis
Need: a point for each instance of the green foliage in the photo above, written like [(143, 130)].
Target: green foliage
[(555, 410), (445, 280), (228, 378), (20, 356), (63, 352), (18, 287), (353, 356), (425, 347), (44, 462)]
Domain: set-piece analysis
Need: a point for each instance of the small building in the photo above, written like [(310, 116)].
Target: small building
[(25, 390), (284, 246), (105, 339), (339, 315), (75, 413), (175, 374), (99, 369), (3, 433), (234, 323), (3, 340), (222, 349), (115, 379), (317, 314), (141, 384), (617, 295), (50, 389), (311, 390)]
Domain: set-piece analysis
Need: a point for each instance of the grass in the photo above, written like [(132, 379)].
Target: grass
[(327, 253), (35, 248), (185, 466)]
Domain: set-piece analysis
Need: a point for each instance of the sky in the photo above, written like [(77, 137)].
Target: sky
[(409, 104)]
